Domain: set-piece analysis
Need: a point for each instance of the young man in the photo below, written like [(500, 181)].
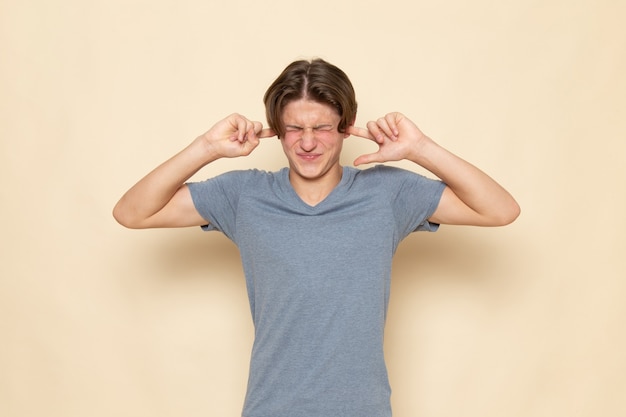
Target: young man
[(317, 238)]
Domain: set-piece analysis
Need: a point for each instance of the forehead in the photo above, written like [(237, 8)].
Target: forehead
[(309, 113)]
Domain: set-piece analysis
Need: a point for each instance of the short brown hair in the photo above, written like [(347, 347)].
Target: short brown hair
[(315, 80)]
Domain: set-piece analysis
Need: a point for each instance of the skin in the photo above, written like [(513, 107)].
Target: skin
[(312, 145)]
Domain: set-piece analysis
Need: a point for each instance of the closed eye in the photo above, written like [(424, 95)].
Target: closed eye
[(318, 128)]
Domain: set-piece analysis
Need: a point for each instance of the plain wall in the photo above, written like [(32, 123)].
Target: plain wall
[(97, 320)]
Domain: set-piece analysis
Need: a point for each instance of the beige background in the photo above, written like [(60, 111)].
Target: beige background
[(96, 320)]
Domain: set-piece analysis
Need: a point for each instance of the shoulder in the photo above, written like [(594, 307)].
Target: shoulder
[(395, 181), (230, 185), (387, 174), (217, 196), (236, 178)]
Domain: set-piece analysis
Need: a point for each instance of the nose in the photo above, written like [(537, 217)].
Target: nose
[(307, 141)]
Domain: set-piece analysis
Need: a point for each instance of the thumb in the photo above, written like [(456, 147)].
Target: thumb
[(367, 159)]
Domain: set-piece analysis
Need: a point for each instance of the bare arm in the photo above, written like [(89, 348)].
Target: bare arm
[(160, 199), (471, 196)]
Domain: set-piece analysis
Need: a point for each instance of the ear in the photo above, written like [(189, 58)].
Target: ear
[(347, 135)]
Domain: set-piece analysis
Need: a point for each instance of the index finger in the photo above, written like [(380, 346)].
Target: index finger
[(360, 132), (266, 133)]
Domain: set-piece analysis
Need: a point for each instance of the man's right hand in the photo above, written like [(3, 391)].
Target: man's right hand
[(234, 136), (161, 198)]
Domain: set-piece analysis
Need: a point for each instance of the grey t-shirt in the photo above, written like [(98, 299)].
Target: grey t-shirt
[(318, 280)]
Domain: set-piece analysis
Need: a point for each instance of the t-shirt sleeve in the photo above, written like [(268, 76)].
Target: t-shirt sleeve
[(416, 198), (216, 199)]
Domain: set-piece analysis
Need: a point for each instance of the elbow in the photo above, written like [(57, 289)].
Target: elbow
[(508, 215), (123, 217), (503, 215), (119, 217), (516, 213)]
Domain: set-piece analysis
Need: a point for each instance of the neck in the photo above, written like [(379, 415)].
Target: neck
[(314, 190)]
